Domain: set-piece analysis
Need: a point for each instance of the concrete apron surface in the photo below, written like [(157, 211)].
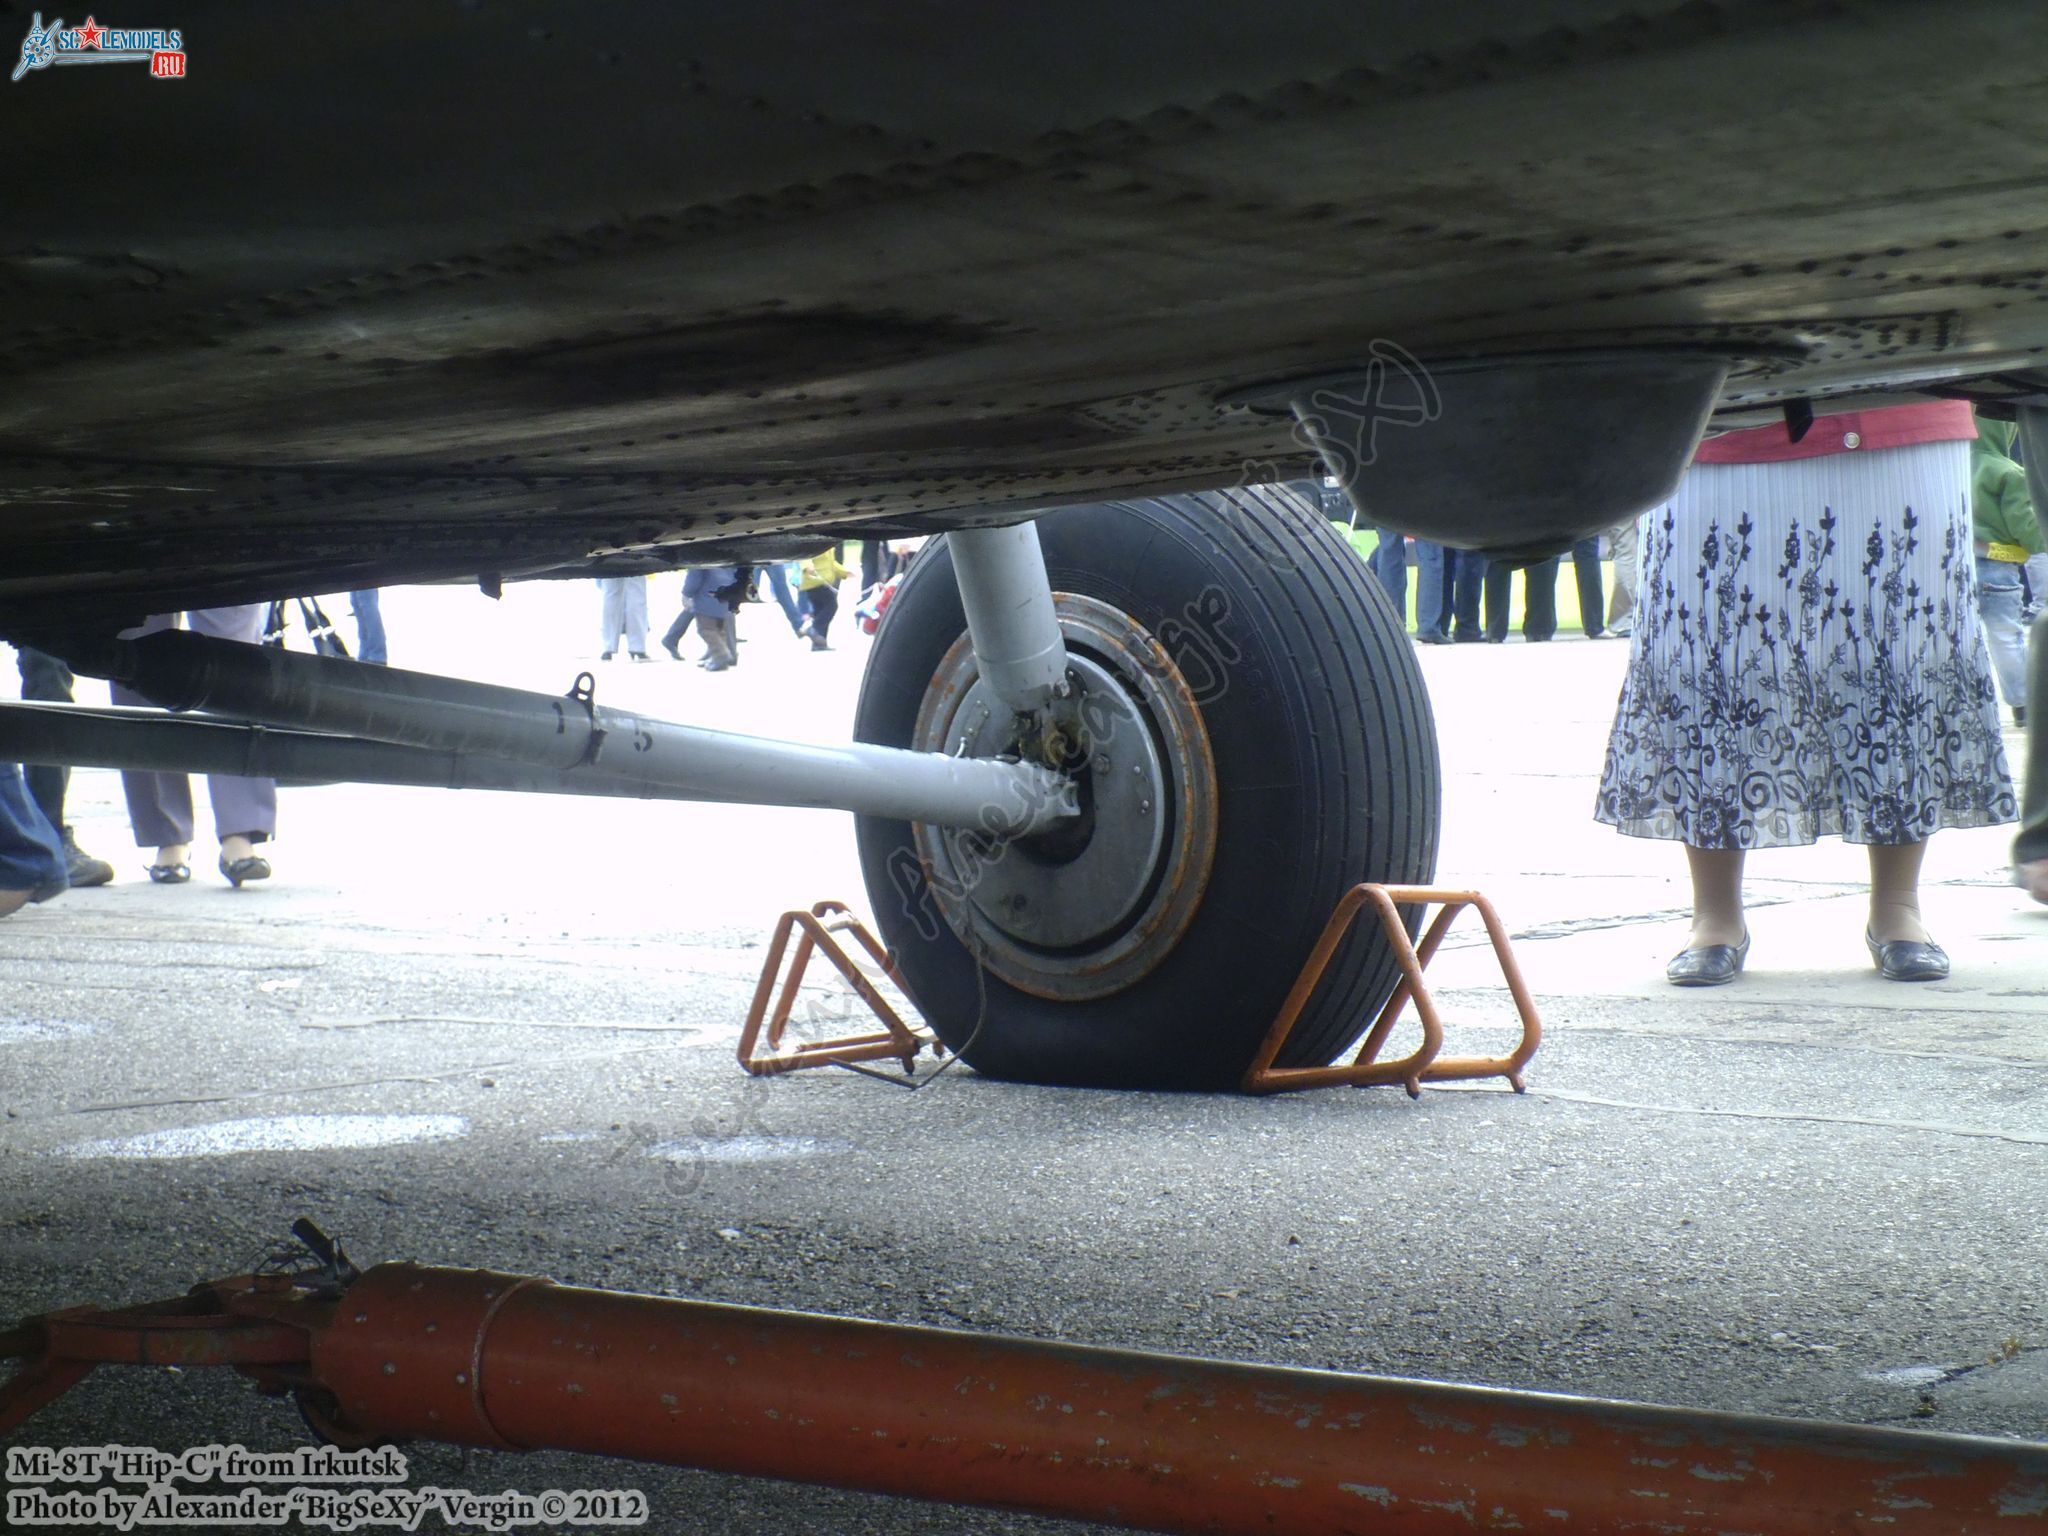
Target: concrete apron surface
[(492, 1030)]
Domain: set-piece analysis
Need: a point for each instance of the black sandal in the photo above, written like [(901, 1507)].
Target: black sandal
[(170, 874)]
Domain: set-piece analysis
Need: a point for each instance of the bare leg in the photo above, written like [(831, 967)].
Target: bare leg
[(1716, 896), (174, 853), (1895, 892)]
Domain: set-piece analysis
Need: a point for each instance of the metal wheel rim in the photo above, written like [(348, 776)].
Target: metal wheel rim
[(1113, 925)]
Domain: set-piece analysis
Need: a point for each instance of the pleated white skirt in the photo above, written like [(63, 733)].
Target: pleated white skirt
[(1807, 660)]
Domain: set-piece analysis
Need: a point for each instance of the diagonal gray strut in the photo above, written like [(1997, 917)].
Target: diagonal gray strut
[(626, 752)]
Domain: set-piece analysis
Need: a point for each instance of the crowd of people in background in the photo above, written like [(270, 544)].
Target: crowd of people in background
[(806, 591), (1463, 596), (1820, 630), (39, 852)]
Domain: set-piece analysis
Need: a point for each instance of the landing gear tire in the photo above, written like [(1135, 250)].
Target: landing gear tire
[(1253, 739)]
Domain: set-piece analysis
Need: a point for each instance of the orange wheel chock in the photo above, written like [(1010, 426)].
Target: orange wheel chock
[(1424, 1066), (761, 1049)]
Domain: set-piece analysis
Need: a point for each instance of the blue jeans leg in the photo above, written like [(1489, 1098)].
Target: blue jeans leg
[(1539, 600), (1390, 565), (45, 680), (1498, 599), (2036, 570), (1432, 575), (369, 627), (1998, 605), (31, 857), (2032, 842), (1592, 601), (1468, 580), (778, 583)]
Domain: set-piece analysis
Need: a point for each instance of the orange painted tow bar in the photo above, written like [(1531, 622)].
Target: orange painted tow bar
[(1148, 1441)]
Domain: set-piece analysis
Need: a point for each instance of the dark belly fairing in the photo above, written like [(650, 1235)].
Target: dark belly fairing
[(440, 290)]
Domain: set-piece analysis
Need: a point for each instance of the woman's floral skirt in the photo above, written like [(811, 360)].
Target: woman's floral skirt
[(1807, 660)]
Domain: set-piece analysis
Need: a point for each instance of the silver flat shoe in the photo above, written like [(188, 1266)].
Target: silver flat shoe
[(1710, 965), (1906, 959)]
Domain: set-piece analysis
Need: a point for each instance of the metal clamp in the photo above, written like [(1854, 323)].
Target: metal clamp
[(584, 691), (761, 1050), (1423, 1066)]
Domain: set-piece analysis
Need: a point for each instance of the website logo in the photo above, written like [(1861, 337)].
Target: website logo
[(162, 49)]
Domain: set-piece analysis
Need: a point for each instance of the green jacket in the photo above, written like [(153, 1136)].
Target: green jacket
[(1999, 510)]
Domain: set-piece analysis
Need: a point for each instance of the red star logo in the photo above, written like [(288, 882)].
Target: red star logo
[(89, 34)]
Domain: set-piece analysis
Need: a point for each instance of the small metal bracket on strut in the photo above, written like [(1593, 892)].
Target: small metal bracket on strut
[(761, 1051), (1423, 1066), (336, 1272), (584, 691)]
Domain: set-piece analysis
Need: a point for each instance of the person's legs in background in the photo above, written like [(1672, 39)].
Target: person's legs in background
[(2035, 573), (31, 855), (1592, 605), (244, 809), (824, 605), (778, 583), (1539, 600), (677, 630), (369, 627), (1432, 593), (1625, 539), (721, 643), (635, 602), (1998, 606), (46, 680), (1390, 565), (612, 623), (2030, 848), (160, 812), (1468, 580), (1498, 601), (250, 807), (159, 804)]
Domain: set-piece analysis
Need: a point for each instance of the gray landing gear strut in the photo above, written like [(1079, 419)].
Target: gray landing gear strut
[(345, 721)]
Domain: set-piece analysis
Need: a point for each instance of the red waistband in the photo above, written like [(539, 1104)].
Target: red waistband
[(1897, 426)]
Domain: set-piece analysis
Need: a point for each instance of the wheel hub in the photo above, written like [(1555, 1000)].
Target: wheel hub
[(1086, 910)]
